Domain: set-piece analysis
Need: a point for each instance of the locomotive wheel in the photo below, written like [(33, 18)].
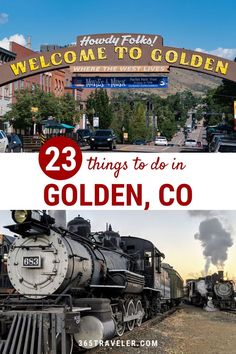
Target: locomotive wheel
[(120, 326), (139, 312), (129, 312)]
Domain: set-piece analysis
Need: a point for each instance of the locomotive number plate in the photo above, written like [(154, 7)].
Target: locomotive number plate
[(32, 262)]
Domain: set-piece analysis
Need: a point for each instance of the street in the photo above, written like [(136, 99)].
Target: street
[(175, 145)]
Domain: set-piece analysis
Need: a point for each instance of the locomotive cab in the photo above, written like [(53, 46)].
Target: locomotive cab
[(147, 258)]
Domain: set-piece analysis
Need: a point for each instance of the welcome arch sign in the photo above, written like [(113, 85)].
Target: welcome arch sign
[(118, 53)]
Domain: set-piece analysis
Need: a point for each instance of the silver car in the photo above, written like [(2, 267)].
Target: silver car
[(3, 141), (190, 143), (161, 141)]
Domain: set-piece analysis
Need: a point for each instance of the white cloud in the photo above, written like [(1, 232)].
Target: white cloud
[(18, 38), (3, 18), (227, 53)]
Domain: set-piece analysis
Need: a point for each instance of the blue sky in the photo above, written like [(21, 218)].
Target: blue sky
[(190, 24)]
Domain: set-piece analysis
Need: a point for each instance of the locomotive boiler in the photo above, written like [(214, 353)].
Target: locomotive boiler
[(85, 286)]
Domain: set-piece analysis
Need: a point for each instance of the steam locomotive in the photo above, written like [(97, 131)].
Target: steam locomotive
[(211, 290), (74, 288), (5, 243)]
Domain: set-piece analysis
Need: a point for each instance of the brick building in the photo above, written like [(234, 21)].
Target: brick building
[(5, 91), (53, 81)]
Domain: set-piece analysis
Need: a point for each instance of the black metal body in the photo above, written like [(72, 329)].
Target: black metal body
[(127, 283), (5, 284)]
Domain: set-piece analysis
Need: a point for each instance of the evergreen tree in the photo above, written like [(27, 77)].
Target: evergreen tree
[(139, 130)]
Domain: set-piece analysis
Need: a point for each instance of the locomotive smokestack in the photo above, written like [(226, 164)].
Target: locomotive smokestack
[(221, 274), (59, 216)]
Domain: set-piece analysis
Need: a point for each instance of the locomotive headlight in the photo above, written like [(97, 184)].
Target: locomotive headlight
[(20, 216)]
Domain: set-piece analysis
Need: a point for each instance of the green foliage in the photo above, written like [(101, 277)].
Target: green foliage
[(122, 113), (98, 105), (63, 108), (139, 128), (130, 112), (219, 103), (67, 109), (166, 122)]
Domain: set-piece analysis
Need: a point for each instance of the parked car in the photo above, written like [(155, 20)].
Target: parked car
[(84, 135), (214, 141), (103, 138), (190, 143), (226, 146), (140, 142), (14, 143), (3, 142), (161, 141)]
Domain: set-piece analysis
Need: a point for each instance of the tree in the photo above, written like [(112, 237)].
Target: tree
[(98, 105), (139, 128), (122, 113), (166, 122), (220, 103), (68, 109), (22, 115)]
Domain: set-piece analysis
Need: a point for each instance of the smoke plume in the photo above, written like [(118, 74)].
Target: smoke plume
[(215, 240), (203, 213)]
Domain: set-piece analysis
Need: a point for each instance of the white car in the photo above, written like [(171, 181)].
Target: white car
[(190, 143), (161, 141), (3, 141)]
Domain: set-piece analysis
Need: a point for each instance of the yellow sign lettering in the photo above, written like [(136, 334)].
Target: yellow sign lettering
[(209, 64), (196, 61), (54, 60), (156, 54), (86, 55), (220, 66), (102, 53), (121, 51), (42, 62), (171, 56), (32, 64), (135, 53), (183, 59), (19, 68), (70, 57)]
